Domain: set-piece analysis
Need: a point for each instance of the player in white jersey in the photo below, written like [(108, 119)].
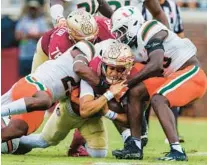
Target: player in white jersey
[(52, 81), (84, 116), (171, 70), (61, 8)]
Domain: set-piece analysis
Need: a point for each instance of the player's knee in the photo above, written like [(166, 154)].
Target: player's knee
[(96, 153), (137, 92), (158, 100)]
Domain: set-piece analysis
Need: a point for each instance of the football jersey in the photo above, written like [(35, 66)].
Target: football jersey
[(90, 6), (58, 76), (177, 50), (57, 41), (115, 4)]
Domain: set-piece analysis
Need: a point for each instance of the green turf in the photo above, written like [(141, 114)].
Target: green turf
[(194, 132)]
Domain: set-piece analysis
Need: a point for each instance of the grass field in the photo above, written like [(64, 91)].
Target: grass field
[(194, 131)]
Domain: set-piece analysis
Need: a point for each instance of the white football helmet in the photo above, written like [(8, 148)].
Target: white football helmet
[(126, 21), (118, 55), (82, 25)]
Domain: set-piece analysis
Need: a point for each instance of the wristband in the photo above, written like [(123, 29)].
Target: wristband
[(109, 95), (111, 115)]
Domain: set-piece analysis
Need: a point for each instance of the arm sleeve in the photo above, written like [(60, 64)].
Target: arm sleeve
[(85, 89)]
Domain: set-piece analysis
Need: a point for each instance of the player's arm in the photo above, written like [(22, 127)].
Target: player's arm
[(155, 9), (83, 53), (105, 9), (39, 57), (56, 12), (89, 105), (154, 67)]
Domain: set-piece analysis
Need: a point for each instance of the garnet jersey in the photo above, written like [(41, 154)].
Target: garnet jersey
[(57, 41), (177, 50)]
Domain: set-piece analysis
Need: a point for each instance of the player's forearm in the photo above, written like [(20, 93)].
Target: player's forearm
[(90, 108), (105, 8), (155, 9), (56, 9), (87, 74), (153, 68)]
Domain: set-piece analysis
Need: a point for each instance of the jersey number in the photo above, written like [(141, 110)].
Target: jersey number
[(116, 4), (68, 83), (89, 8)]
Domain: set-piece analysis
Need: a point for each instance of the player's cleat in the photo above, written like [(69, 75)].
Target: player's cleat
[(130, 151), (81, 151), (174, 155)]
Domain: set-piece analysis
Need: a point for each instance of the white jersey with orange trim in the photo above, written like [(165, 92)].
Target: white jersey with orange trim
[(177, 50), (58, 75)]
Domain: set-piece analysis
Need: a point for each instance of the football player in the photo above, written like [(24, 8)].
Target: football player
[(59, 9), (85, 117), (55, 42), (167, 55)]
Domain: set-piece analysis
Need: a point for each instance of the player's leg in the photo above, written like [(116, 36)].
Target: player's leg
[(39, 57), (28, 95), (55, 130), (94, 131), (173, 93)]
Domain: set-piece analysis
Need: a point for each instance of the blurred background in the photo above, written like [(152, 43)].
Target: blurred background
[(24, 21)]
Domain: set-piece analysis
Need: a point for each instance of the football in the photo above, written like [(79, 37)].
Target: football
[(11, 145)]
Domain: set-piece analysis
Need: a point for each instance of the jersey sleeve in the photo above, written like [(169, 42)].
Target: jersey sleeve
[(104, 25), (149, 29), (85, 89), (59, 43)]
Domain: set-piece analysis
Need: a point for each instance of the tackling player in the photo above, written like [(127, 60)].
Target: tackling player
[(59, 9), (165, 54)]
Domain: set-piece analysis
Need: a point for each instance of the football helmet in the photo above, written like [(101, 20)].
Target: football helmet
[(119, 56), (82, 25), (126, 21)]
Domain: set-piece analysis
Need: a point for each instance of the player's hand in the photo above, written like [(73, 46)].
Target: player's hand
[(117, 88), (61, 22), (121, 93)]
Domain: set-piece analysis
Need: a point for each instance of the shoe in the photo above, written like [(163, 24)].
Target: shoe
[(130, 151), (81, 151), (174, 155)]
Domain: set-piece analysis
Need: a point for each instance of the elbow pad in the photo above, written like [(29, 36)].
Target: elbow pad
[(86, 48), (154, 44)]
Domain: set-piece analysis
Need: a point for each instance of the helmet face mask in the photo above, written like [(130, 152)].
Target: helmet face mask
[(127, 21), (82, 26), (117, 62)]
